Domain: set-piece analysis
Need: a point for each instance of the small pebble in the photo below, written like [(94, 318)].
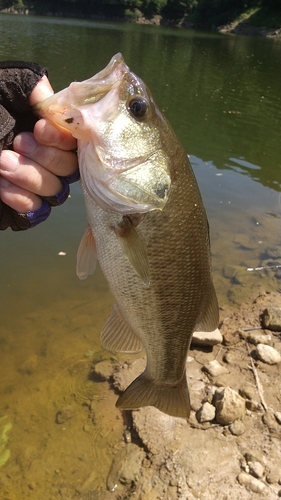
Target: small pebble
[(267, 354), (229, 406), (256, 469), (237, 428), (248, 391), (231, 338), (214, 368), (206, 413), (207, 338), (270, 420), (251, 482), (271, 318), (274, 475), (254, 456), (66, 413), (259, 338)]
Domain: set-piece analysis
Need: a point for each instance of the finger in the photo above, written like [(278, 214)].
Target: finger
[(42, 90), (48, 134), (57, 161), (17, 198), (28, 175)]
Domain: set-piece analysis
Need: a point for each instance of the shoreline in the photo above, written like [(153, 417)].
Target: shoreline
[(234, 28)]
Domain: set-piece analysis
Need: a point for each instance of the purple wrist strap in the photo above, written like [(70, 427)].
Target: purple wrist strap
[(44, 211), (39, 215)]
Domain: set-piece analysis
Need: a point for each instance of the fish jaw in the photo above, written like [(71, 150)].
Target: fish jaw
[(65, 108)]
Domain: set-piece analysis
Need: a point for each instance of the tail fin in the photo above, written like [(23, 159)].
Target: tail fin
[(171, 399)]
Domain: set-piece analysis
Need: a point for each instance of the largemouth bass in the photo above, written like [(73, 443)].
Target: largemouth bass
[(147, 228)]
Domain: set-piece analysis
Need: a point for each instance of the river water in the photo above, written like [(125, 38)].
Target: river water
[(222, 94)]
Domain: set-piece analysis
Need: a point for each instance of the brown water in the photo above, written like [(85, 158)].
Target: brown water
[(222, 95)]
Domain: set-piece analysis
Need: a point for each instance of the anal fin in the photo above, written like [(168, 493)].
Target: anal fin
[(210, 320), (117, 334)]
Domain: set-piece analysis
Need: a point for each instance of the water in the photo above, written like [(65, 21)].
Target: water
[(222, 96)]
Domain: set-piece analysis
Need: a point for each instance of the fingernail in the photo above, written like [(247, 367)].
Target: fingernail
[(25, 143), (8, 161)]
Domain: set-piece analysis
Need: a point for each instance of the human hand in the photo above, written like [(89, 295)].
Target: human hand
[(31, 171)]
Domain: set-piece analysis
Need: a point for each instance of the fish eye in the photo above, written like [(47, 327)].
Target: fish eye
[(138, 107)]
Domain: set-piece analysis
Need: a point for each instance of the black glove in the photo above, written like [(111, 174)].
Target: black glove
[(17, 80)]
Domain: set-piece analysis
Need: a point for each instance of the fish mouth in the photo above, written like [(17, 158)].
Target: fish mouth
[(62, 107), (96, 87)]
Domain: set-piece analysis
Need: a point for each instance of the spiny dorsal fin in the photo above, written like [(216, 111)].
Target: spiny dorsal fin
[(86, 255), (134, 248), (117, 335)]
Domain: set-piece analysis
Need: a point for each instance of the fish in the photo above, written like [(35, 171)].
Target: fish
[(147, 228)]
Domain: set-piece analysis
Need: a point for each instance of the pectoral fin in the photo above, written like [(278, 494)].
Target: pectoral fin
[(134, 248), (86, 255), (117, 335)]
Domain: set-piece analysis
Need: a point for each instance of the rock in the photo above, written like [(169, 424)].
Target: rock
[(254, 456), (271, 318), (64, 414), (256, 469), (259, 338), (214, 368), (271, 422), (273, 252), (267, 354), (230, 357), (127, 372), (248, 391), (253, 405), (206, 413), (207, 338), (251, 482), (231, 338), (103, 370), (237, 428), (245, 241), (274, 475), (126, 466), (229, 406), (29, 366)]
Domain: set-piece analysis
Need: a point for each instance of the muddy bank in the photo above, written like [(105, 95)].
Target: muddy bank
[(231, 445), (69, 441), (245, 29)]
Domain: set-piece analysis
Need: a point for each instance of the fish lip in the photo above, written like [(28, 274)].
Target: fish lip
[(101, 83)]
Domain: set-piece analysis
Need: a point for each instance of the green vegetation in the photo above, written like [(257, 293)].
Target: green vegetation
[(201, 12)]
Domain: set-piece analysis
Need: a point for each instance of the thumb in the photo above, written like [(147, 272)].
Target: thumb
[(42, 90)]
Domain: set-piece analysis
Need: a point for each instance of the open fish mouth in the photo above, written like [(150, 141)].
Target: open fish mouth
[(61, 106)]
